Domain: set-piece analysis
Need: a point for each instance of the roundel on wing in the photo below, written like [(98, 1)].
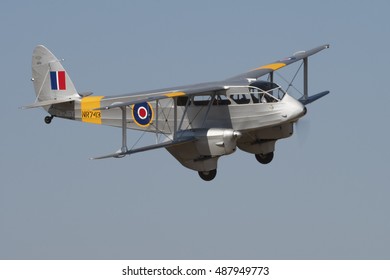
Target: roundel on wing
[(142, 114)]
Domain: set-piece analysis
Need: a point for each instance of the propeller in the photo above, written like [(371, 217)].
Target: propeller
[(302, 129)]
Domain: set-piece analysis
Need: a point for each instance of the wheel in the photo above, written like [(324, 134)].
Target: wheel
[(208, 175), (48, 119), (265, 158)]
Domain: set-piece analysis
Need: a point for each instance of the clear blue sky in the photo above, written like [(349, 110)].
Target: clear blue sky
[(325, 195)]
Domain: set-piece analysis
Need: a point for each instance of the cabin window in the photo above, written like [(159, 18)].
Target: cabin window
[(221, 100), (204, 100), (241, 98), (182, 101), (201, 100)]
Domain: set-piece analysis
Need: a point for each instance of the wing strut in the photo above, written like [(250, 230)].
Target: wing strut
[(124, 148), (174, 118), (157, 101), (305, 78), (306, 99)]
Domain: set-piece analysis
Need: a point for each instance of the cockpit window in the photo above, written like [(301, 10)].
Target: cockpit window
[(257, 92), (264, 91)]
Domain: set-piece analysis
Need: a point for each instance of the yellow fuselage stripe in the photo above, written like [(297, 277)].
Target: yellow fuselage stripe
[(87, 113)]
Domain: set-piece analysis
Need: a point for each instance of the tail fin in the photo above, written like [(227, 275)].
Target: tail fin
[(51, 82)]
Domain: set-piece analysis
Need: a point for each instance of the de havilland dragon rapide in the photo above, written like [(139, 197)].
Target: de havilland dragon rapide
[(197, 124)]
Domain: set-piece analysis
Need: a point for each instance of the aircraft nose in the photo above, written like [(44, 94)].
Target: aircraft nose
[(296, 109), (299, 110)]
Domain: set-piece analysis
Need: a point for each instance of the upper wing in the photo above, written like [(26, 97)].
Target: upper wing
[(205, 88), (266, 69)]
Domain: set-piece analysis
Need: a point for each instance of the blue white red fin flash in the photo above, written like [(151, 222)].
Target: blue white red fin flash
[(58, 80)]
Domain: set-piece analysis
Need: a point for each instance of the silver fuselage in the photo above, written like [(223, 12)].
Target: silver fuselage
[(209, 114)]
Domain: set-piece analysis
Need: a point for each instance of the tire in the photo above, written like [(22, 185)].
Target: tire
[(48, 119), (265, 158), (208, 175)]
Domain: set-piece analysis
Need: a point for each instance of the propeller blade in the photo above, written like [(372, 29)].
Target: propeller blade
[(302, 127)]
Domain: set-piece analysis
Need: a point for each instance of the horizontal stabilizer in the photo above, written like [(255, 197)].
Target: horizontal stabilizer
[(313, 98), (48, 102), (120, 153)]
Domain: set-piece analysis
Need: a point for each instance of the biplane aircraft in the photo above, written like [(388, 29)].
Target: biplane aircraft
[(197, 123)]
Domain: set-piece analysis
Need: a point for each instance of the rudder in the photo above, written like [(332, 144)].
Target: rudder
[(51, 81)]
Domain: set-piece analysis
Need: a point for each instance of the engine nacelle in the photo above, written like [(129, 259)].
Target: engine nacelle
[(216, 141), (203, 153), (261, 147)]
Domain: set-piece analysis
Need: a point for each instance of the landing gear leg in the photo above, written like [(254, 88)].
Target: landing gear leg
[(208, 175), (48, 119), (265, 158)]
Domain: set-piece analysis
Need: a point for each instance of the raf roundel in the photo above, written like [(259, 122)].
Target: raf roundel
[(142, 114)]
